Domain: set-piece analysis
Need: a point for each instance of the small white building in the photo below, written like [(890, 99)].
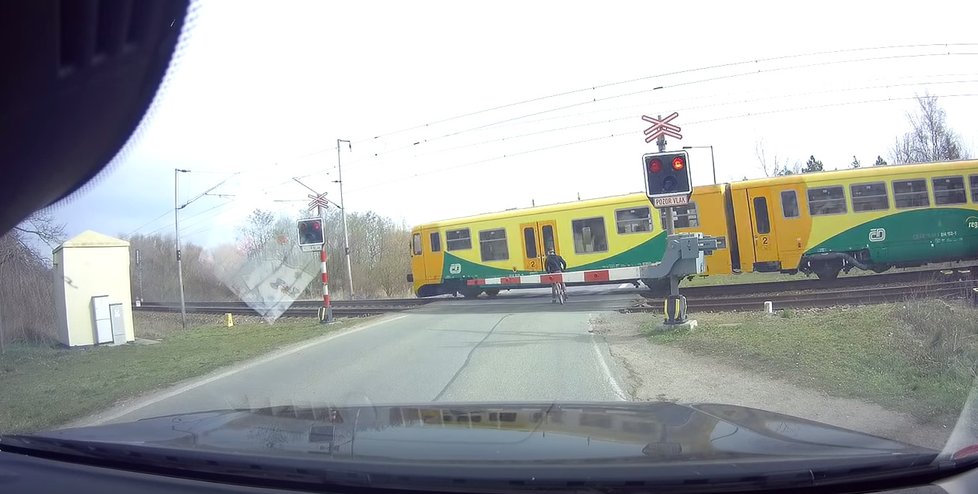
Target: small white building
[(93, 298)]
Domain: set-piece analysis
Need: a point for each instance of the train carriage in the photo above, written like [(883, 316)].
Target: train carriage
[(822, 223), (595, 234), (869, 218)]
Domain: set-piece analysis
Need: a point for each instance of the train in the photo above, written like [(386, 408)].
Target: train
[(824, 223)]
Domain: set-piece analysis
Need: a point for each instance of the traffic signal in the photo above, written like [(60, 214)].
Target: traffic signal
[(310, 231), (667, 174)]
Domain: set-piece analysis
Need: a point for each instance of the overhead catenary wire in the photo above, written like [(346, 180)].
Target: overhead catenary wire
[(632, 133), (673, 85), (686, 108), (524, 118), (667, 74)]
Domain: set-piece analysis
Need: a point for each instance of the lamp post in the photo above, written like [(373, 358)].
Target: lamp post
[(712, 163)]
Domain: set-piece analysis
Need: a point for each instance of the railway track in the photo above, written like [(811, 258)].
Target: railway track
[(341, 308), (821, 298), (908, 278), (712, 298)]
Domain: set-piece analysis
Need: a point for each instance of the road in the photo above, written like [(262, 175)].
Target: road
[(517, 347)]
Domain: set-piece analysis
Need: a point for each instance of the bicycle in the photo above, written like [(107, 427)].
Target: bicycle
[(557, 290)]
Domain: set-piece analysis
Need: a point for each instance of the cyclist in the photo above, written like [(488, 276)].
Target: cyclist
[(555, 264)]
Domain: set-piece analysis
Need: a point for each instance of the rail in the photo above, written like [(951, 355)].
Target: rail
[(820, 298), (341, 308)]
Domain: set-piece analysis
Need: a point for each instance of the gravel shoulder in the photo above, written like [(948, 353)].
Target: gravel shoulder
[(662, 373)]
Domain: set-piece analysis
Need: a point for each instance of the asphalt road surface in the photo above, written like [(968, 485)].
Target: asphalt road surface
[(518, 347)]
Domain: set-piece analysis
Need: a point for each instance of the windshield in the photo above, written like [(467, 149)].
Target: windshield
[(461, 216)]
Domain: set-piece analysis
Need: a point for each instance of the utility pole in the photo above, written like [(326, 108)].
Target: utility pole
[(346, 232), (176, 229), (139, 276)]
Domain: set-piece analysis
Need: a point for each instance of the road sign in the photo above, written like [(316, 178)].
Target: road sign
[(667, 201), (318, 201), (661, 127)]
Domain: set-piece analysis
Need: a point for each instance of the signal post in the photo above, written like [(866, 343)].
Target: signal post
[(311, 239), (668, 183)]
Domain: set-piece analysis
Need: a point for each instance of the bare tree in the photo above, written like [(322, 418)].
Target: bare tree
[(258, 232), (157, 268), (767, 168), (775, 167), (929, 138), (26, 296)]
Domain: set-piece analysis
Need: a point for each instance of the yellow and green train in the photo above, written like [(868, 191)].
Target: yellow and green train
[(822, 223)]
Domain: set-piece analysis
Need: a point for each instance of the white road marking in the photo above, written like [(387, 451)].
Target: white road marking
[(196, 384), (625, 285), (620, 393)]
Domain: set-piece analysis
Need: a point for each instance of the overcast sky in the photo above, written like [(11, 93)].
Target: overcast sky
[(458, 108)]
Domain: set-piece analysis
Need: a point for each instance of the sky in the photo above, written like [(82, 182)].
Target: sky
[(457, 108)]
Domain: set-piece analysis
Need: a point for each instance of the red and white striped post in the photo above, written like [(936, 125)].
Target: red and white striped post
[(326, 311)]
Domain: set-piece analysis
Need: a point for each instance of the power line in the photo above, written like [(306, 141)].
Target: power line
[(144, 225), (631, 133), (669, 86), (728, 102), (667, 74)]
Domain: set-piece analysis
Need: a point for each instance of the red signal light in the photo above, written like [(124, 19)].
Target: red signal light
[(678, 163), (655, 166), (316, 225)]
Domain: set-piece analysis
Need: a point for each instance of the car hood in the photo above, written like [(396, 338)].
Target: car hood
[(499, 433)]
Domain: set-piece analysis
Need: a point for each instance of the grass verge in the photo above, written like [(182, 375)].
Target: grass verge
[(917, 357), (44, 386)]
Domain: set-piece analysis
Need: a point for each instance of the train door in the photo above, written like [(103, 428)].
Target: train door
[(434, 258), (538, 237), (765, 239), (417, 258), (792, 223)]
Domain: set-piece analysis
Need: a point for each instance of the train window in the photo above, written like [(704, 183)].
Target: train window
[(548, 238), (633, 220), (682, 216), (789, 204), (869, 197), (492, 244), (974, 189), (910, 193), (949, 190), (416, 244), (589, 235), (761, 218), (458, 239), (826, 200), (435, 242), (530, 242)]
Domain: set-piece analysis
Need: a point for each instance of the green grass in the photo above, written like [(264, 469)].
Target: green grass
[(917, 357), (44, 386)]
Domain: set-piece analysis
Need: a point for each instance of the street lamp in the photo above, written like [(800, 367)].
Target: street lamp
[(712, 162), (346, 232)]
